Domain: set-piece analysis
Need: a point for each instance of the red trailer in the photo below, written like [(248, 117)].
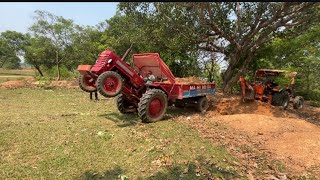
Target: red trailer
[(148, 87)]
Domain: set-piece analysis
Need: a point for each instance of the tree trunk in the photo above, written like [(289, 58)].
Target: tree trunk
[(229, 79), (58, 69), (58, 66), (39, 71), (229, 75), (232, 74)]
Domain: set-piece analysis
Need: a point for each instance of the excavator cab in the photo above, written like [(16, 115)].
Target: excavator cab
[(272, 86)]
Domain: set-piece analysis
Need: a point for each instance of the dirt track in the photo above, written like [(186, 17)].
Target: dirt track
[(291, 136)]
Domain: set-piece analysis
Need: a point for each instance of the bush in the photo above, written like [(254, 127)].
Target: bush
[(52, 73), (315, 103), (44, 82), (309, 95)]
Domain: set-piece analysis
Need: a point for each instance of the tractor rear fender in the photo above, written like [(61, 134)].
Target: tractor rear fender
[(157, 86)]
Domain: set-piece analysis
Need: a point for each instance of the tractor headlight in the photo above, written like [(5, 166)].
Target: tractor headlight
[(109, 61)]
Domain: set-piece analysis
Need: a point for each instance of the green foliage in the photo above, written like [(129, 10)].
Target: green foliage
[(40, 52), (8, 58), (313, 95), (64, 72), (44, 82), (147, 34), (235, 29), (300, 54), (245, 33), (59, 31), (12, 44), (12, 62)]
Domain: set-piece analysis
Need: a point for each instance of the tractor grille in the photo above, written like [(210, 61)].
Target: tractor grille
[(101, 61)]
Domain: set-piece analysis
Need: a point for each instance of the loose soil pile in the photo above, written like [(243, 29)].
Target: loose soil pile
[(31, 82), (18, 83), (189, 80), (65, 84), (260, 135)]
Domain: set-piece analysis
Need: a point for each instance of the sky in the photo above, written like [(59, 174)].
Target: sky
[(17, 16)]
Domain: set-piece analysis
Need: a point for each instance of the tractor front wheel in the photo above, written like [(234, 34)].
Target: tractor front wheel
[(109, 84), (152, 106), (87, 83), (124, 105), (298, 102), (202, 104)]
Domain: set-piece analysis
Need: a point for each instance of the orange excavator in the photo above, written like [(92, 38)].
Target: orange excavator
[(266, 89)]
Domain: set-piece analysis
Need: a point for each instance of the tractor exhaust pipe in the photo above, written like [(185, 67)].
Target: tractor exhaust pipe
[(126, 54)]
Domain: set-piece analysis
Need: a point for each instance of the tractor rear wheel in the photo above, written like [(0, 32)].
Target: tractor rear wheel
[(298, 102), (152, 106), (109, 84), (124, 106), (87, 83), (202, 104)]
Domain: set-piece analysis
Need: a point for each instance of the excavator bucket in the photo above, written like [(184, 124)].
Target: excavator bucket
[(249, 94), (247, 90)]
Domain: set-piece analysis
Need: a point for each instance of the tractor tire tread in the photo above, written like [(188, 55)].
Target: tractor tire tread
[(83, 86), (142, 105), (200, 101), (121, 104), (296, 102)]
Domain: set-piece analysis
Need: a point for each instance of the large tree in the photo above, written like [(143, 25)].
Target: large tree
[(40, 52), (86, 46), (147, 35), (235, 29), (11, 48), (58, 30)]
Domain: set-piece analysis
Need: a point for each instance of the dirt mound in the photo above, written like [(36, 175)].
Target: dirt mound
[(31, 82), (234, 105), (189, 80), (285, 135), (65, 83), (294, 141), (18, 83)]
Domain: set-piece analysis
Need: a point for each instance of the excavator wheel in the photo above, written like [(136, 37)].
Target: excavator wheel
[(281, 99), (298, 102)]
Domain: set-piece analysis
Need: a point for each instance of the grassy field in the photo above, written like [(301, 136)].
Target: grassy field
[(10, 75), (61, 134)]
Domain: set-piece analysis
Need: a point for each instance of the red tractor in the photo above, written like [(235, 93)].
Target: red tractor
[(141, 88), (266, 89)]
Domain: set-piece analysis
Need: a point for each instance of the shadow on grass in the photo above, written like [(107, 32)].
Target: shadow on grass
[(131, 119), (114, 173), (199, 169), (183, 111), (123, 120)]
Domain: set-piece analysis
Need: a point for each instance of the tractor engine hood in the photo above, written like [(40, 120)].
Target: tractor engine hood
[(105, 57)]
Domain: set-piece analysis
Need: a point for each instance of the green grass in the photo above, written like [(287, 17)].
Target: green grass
[(14, 74), (5, 79), (17, 72), (61, 134)]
